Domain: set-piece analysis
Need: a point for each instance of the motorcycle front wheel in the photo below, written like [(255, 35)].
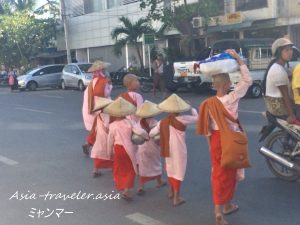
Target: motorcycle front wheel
[(282, 144), (146, 87)]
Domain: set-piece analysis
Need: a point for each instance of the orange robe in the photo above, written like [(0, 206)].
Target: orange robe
[(223, 180), (124, 153)]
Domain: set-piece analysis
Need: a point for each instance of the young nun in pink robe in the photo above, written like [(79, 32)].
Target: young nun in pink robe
[(121, 147), (99, 152), (172, 142), (149, 159)]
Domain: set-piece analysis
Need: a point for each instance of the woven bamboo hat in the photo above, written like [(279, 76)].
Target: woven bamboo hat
[(147, 109), (101, 103), (120, 108), (174, 104), (98, 65)]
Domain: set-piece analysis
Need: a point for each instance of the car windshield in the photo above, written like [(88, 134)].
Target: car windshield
[(31, 71), (84, 67)]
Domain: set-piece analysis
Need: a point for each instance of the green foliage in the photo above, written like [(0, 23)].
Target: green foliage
[(171, 16), (22, 35), (130, 33)]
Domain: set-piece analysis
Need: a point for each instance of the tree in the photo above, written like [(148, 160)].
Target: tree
[(179, 16), (20, 5), (130, 33), (22, 36)]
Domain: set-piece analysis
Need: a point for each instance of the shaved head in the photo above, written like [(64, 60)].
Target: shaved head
[(128, 79), (220, 79)]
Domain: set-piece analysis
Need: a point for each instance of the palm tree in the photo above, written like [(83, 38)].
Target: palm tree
[(20, 5), (130, 33)]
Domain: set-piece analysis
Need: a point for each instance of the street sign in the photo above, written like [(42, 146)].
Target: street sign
[(148, 39)]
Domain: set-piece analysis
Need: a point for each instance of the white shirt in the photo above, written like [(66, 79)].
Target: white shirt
[(277, 76)]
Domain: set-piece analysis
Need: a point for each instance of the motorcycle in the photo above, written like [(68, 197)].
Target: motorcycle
[(117, 77), (170, 84), (282, 148)]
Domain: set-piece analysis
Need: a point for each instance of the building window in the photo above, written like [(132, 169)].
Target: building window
[(244, 5), (113, 3), (125, 2), (91, 6)]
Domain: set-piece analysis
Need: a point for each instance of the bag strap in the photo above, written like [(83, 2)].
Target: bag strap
[(219, 108)]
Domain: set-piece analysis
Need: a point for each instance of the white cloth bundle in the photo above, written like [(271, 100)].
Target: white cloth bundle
[(220, 63)]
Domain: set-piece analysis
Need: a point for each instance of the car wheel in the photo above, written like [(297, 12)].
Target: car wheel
[(255, 91), (80, 86), (63, 85), (32, 86)]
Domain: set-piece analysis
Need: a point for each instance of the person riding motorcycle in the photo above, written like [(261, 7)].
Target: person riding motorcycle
[(277, 82)]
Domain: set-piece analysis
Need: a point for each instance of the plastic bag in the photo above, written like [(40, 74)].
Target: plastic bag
[(220, 63)]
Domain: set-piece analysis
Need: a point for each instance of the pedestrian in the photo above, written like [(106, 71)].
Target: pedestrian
[(132, 84), (276, 81), (220, 108), (149, 159), (172, 142), (99, 132), (296, 92), (158, 79), (100, 86), (12, 79), (121, 147)]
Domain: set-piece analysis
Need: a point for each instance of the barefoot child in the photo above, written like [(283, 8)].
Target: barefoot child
[(172, 142), (223, 179), (149, 153), (121, 147), (99, 131)]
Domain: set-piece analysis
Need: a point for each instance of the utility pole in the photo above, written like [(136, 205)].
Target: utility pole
[(65, 21)]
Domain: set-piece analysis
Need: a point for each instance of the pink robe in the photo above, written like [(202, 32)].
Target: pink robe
[(99, 149), (120, 132), (176, 163), (149, 159), (88, 119), (139, 101)]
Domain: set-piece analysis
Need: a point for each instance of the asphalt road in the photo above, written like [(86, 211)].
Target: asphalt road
[(40, 157)]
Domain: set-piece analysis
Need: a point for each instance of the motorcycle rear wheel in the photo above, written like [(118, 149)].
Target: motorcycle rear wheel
[(281, 144), (146, 87)]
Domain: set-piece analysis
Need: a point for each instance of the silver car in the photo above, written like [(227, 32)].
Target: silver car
[(44, 76), (75, 75)]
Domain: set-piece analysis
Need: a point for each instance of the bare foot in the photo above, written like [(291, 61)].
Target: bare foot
[(96, 174), (125, 195), (141, 191), (178, 202), (220, 220), (161, 184), (229, 209)]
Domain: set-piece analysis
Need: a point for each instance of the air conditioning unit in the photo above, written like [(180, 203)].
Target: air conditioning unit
[(198, 22)]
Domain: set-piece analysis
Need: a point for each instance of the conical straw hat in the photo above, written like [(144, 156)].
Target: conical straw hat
[(174, 104), (101, 103), (147, 109), (98, 65), (120, 108)]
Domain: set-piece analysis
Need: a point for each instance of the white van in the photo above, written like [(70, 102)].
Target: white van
[(256, 52)]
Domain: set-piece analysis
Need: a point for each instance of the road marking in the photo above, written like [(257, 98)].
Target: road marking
[(143, 219), (52, 96), (33, 110), (8, 161), (249, 111)]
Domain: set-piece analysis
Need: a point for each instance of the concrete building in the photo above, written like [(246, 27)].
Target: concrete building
[(91, 22)]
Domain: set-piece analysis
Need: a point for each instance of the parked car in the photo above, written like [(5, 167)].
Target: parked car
[(75, 75), (44, 76)]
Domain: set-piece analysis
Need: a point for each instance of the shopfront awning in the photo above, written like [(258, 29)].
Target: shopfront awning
[(229, 27)]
